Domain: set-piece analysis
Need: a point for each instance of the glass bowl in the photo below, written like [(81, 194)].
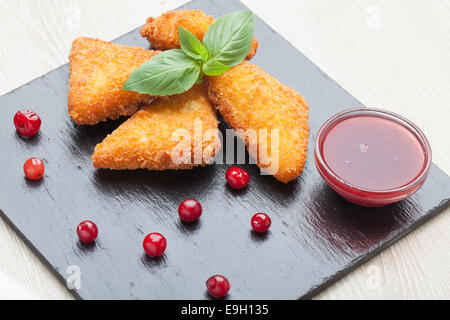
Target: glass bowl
[(359, 195)]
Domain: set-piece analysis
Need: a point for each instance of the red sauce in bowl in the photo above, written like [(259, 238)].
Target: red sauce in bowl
[(372, 157)]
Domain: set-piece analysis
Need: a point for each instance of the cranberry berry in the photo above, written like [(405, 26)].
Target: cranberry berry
[(27, 123), (218, 286), (190, 210), (154, 244), (261, 222), (237, 178), (87, 231), (34, 168)]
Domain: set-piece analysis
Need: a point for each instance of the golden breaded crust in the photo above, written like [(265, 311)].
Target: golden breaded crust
[(98, 70), (249, 98), (147, 140), (162, 31)]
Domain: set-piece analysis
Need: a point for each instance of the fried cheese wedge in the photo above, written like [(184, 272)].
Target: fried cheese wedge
[(270, 117), (162, 31), (174, 132), (98, 70)]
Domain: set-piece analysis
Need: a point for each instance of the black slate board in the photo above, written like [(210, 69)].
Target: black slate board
[(316, 236)]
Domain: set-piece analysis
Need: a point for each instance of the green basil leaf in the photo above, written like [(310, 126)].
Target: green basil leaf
[(191, 45), (230, 37), (214, 68), (169, 72)]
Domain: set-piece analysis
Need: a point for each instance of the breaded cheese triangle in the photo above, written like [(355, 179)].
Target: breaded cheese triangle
[(269, 116), (162, 31), (98, 70), (175, 132)]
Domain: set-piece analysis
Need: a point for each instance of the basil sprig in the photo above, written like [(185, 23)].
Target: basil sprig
[(228, 40), (225, 44), (191, 45), (169, 72)]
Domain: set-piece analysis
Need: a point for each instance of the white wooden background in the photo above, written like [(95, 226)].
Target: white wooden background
[(393, 54)]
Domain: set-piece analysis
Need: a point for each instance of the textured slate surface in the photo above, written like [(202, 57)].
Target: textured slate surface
[(315, 238)]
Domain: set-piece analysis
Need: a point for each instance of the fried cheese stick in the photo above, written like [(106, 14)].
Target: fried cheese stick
[(250, 100), (98, 70), (162, 31), (174, 132)]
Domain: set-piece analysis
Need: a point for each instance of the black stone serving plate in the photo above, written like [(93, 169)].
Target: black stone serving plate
[(316, 237)]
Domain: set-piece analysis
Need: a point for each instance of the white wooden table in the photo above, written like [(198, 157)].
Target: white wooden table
[(390, 54)]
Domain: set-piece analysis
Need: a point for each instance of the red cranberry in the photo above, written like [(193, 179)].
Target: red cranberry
[(87, 231), (154, 244), (237, 178), (190, 210), (27, 123), (261, 222), (218, 286), (34, 168)]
